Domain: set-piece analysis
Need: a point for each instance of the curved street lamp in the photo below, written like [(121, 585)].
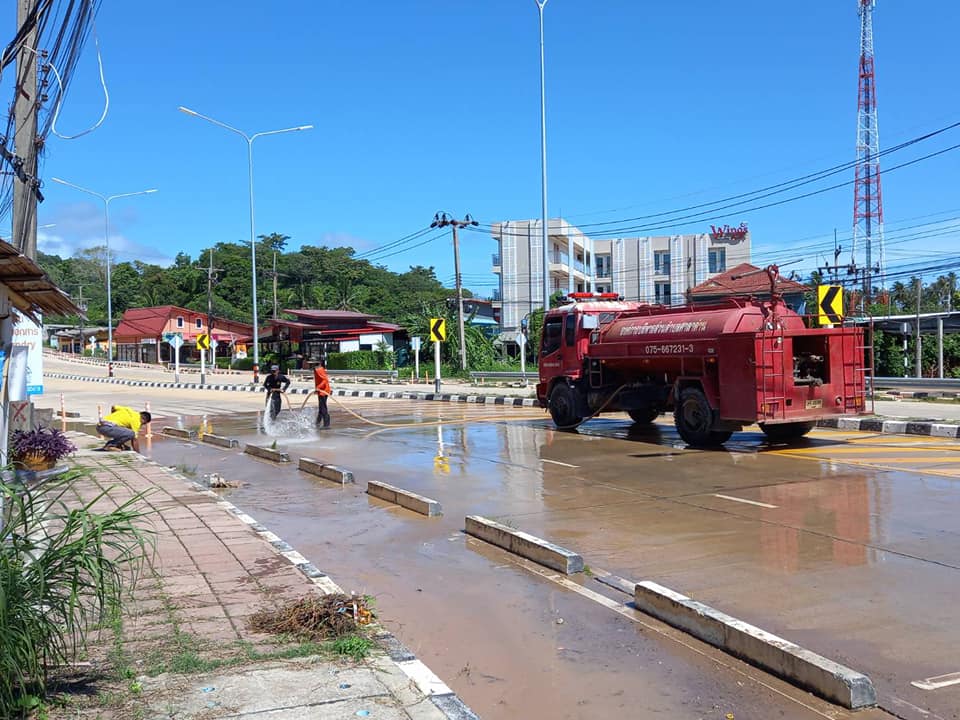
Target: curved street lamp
[(106, 237), (253, 244)]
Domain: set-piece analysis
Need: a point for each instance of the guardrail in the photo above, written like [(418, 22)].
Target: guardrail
[(916, 383), (504, 375), (346, 374)]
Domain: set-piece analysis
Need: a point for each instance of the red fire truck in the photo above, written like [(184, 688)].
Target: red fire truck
[(717, 366)]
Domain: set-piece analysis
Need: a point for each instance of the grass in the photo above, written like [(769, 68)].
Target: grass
[(64, 569), (356, 647)]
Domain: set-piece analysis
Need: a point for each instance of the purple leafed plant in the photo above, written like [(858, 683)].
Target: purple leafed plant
[(47, 442)]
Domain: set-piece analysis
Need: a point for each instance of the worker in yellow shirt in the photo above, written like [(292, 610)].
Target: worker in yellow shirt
[(122, 426)]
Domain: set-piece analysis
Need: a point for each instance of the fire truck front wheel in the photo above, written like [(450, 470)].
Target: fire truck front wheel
[(693, 417), (563, 408), (785, 432)]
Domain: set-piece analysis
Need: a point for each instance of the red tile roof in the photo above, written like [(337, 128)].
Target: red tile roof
[(733, 282)]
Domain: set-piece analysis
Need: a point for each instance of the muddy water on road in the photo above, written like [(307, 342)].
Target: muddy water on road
[(510, 642)]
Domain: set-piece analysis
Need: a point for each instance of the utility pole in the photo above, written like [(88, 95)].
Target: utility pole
[(443, 220), (26, 187), (274, 285)]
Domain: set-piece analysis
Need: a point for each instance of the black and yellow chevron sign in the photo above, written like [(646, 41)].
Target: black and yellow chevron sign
[(829, 304), (438, 329)]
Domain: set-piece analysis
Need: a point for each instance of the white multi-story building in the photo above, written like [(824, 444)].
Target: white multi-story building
[(649, 269)]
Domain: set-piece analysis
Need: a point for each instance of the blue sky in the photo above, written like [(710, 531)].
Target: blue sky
[(433, 105)]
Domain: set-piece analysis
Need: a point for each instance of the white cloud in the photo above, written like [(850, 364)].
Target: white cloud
[(80, 226), (345, 239)]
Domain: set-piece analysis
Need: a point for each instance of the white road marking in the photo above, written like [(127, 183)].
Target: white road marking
[(940, 681), (557, 462), (748, 502)]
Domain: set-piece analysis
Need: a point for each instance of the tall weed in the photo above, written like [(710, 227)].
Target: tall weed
[(64, 567)]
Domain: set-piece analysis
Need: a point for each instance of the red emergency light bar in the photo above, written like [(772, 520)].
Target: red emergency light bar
[(580, 296)]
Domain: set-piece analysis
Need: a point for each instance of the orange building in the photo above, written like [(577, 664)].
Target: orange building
[(140, 335)]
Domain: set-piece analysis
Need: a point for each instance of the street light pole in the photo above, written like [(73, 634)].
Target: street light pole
[(253, 240), (541, 4), (442, 220), (106, 237)]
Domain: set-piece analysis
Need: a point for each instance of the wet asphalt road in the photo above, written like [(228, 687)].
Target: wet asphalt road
[(846, 543)]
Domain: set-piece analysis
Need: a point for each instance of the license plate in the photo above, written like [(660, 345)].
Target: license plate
[(814, 404)]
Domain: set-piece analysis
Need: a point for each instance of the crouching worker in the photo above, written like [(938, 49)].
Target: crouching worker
[(121, 427)]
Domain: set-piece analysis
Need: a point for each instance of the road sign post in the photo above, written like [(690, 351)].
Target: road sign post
[(175, 340), (522, 342), (415, 346), (438, 333)]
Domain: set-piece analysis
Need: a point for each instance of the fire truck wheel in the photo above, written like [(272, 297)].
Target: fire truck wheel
[(644, 416), (563, 408), (785, 432), (694, 420)]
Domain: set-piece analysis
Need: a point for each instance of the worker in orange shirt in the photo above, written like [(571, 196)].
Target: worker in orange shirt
[(321, 383)]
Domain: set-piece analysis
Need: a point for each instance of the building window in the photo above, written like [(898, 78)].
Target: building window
[(179, 321), (662, 290), (199, 323), (661, 262), (718, 260)]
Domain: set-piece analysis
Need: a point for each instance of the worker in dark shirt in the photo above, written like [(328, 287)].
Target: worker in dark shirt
[(275, 384)]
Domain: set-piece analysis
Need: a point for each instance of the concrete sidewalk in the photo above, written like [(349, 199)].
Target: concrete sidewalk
[(184, 648)]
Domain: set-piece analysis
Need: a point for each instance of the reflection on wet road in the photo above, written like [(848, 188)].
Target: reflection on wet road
[(852, 552)]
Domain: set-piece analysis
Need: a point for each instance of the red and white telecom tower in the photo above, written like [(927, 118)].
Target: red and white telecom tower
[(867, 197)]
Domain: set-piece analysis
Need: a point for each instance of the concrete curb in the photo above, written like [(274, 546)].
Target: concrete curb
[(249, 387), (896, 427), (178, 433), (327, 472), (266, 453), (525, 545), (404, 498), (823, 677), (220, 441), (440, 695)]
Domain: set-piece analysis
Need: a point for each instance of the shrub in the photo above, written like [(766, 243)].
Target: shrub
[(63, 567), (356, 360)]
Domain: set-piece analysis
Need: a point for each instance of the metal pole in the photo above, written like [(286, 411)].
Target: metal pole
[(106, 236), (436, 360), (918, 370), (459, 284), (940, 345), (253, 268), (253, 247), (543, 165)]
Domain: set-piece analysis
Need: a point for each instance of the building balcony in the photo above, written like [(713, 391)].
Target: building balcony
[(559, 258), (496, 294), (602, 273), (495, 258)]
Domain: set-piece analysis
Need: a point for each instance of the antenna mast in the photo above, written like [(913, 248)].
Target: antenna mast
[(867, 197)]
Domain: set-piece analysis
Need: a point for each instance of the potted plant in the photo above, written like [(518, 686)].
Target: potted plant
[(39, 449)]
